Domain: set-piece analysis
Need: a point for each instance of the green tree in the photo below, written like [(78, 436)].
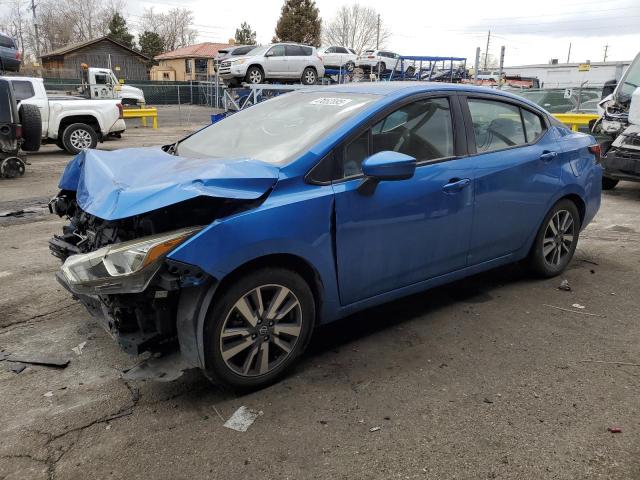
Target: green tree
[(244, 35), (119, 31), (151, 44), (299, 22)]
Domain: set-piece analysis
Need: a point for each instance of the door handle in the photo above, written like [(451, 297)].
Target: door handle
[(547, 156), (456, 184)]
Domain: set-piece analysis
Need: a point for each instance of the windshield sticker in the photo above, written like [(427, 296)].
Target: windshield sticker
[(336, 102)]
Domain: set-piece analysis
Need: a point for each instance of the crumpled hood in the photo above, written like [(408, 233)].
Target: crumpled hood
[(123, 183)]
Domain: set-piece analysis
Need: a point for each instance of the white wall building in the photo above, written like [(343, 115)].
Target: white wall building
[(563, 75)]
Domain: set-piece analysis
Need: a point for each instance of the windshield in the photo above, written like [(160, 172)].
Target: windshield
[(259, 50), (630, 81), (278, 130)]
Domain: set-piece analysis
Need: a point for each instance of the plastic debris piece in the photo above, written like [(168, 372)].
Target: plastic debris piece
[(375, 429), (48, 394), (242, 419), (615, 429), (564, 285), (577, 305), (78, 350)]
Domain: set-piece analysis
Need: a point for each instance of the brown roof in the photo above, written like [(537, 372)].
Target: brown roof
[(199, 50), (76, 46)]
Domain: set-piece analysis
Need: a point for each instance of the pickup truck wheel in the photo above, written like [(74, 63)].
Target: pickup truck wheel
[(309, 76), (257, 328), (78, 137), (31, 127)]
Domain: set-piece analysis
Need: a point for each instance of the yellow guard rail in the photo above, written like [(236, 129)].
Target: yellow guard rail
[(576, 120), (142, 114)]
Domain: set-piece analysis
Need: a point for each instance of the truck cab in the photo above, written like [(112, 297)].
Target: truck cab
[(100, 83)]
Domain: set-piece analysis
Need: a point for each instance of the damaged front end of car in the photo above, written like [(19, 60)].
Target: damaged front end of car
[(127, 212)]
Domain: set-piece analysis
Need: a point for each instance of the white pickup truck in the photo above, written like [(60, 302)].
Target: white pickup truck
[(72, 123)]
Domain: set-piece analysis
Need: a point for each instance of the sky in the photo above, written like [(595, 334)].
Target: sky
[(532, 32)]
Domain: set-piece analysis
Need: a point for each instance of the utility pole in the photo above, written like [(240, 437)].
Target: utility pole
[(378, 34), (35, 25), (569, 54), (486, 51), (476, 66), (606, 49), (501, 67)]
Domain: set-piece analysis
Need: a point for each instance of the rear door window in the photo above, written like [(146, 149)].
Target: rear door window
[(533, 125), (497, 125), (294, 51), (306, 51), (22, 90)]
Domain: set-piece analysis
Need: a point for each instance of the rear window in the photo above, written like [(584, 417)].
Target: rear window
[(7, 42), (242, 50), (307, 51), (22, 90)]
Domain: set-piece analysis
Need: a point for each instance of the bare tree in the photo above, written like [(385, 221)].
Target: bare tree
[(174, 27), (356, 27)]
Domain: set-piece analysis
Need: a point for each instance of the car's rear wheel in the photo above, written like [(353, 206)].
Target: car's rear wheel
[(350, 67), (309, 76), (381, 68), (31, 127), (609, 183), (254, 75), (78, 137), (257, 328), (556, 240)]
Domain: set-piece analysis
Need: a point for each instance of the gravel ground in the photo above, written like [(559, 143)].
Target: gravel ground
[(478, 379)]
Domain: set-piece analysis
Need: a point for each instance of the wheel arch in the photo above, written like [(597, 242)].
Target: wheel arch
[(90, 120), (194, 303)]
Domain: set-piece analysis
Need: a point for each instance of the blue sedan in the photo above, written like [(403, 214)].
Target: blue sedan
[(232, 244)]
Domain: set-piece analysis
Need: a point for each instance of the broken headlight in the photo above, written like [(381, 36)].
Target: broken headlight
[(125, 267)]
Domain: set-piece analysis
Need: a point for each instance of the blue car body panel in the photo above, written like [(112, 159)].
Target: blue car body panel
[(365, 249), (123, 183)]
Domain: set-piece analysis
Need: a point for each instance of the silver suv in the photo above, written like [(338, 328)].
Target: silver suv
[(281, 61)]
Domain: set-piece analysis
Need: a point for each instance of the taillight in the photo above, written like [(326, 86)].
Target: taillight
[(120, 110), (18, 56), (18, 131), (595, 149), (371, 56)]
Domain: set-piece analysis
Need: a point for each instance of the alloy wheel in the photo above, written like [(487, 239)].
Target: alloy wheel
[(310, 77), (261, 330), (558, 238), (80, 139), (255, 76)]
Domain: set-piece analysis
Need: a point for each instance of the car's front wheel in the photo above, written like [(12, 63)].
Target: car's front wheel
[(309, 76), (350, 67), (254, 75), (78, 137), (556, 240), (257, 328)]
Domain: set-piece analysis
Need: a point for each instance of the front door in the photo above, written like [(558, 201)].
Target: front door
[(517, 170), (404, 231), (276, 62)]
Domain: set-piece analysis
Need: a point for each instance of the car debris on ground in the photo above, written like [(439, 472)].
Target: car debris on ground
[(36, 359), (242, 419)]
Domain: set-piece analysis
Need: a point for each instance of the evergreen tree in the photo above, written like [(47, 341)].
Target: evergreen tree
[(119, 31), (151, 44), (244, 35), (299, 22)]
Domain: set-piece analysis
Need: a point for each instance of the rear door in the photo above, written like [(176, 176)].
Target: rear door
[(516, 170), (404, 231)]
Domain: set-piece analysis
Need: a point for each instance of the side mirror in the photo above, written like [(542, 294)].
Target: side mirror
[(389, 165), (269, 54)]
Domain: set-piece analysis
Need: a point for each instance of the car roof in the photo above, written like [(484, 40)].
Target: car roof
[(36, 79), (400, 89)]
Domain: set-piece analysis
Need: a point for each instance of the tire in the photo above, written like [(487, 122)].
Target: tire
[(381, 68), (78, 137), (350, 67), (235, 359), (609, 183), (410, 71), (551, 264), (254, 75), (31, 127), (309, 76)]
